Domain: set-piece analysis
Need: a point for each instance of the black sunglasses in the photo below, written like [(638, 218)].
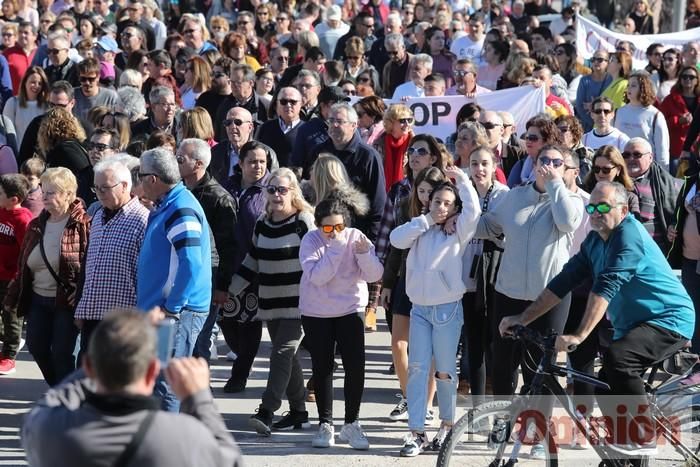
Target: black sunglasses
[(235, 121), (272, 189), (635, 154), (605, 170)]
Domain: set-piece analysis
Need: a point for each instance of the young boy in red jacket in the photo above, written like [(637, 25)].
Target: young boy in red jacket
[(14, 220)]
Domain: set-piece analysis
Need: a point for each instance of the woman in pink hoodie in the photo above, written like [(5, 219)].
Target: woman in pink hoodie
[(337, 262)]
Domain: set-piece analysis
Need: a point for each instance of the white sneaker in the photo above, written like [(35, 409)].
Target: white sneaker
[(213, 351), (21, 344), (231, 356), (352, 434), (400, 412), (325, 437)]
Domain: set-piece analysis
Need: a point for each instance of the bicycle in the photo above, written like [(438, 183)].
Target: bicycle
[(494, 433)]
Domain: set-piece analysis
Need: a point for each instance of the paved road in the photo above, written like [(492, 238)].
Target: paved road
[(17, 393)]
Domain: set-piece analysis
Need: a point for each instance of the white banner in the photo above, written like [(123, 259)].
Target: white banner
[(437, 116), (591, 37)]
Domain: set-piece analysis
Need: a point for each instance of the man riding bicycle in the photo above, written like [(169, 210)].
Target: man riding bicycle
[(650, 311)]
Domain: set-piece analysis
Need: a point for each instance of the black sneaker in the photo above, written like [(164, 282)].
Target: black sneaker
[(261, 421), (233, 386), (292, 420)]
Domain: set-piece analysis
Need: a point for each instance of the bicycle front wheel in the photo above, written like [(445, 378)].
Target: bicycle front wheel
[(489, 436)]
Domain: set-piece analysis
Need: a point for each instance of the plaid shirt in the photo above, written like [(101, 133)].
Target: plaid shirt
[(397, 193), (112, 258)]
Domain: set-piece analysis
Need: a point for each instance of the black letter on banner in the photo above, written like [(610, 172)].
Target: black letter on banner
[(422, 117), (440, 109)]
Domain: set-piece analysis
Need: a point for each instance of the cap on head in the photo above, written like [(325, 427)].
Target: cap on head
[(332, 95)]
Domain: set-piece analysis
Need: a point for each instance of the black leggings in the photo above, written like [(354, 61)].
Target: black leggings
[(244, 340), (475, 334), (509, 353), (348, 332)]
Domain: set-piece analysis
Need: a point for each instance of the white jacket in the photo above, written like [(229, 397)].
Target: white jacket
[(434, 264)]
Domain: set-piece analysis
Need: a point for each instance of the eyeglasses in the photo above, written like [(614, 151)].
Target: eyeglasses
[(54, 104), (462, 73), (272, 189), (242, 23), (263, 13), (532, 138), (8, 34), (635, 154), (490, 125), (328, 228), (282, 58), (669, 58), (602, 208), (406, 121), (368, 26), (602, 111), (99, 147), (88, 79), (306, 85), (104, 189), (54, 51), (689, 77), (556, 163), (286, 102), (337, 121), (235, 121), (605, 170), (599, 59), (420, 152)]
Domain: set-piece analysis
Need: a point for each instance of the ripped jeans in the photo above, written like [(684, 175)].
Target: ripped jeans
[(434, 333)]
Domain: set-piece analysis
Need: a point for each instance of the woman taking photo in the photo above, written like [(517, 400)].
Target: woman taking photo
[(277, 235), (393, 143), (370, 113), (639, 118), (435, 289), (50, 261), (609, 166), (538, 220), (241, 331), (619, 68), (31, 101), (197, 81), (668, 74), (495, 54), (678, 109), (443, 59), (539, 132)]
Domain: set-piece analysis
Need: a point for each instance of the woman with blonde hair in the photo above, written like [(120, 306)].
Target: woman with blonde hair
[(50, 263), (518, 67), (355, 61), (393, 143), (277, 235), (60, 143), (31, 101), (197, 81), (196, 123), (219, 27)]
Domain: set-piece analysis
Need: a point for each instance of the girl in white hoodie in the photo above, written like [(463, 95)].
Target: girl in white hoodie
[(435, 287)]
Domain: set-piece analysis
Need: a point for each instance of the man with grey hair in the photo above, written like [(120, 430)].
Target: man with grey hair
[(361, 161), (116, 235), (308, 83), (174, 268), (397, 69), (60, 67), (691, 53), (420, 68), (161, 116), (132, 103), (657, 190), (281, 132), (220, 208), (377, 56)]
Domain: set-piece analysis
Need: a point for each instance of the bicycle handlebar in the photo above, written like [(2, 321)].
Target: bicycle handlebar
[(530, 335)]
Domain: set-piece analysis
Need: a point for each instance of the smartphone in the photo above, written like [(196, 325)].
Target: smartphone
[(165, 335)]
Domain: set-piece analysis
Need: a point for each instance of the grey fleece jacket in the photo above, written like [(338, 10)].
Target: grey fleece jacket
[(73, 426), (538, 229)]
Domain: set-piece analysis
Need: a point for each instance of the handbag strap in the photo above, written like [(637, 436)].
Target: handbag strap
[(48, 266), (128, 452)]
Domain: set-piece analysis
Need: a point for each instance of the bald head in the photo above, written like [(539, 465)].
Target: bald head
[(239, 126)]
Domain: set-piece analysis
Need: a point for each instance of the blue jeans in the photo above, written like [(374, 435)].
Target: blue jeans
[(51, 338), (207, 336), (434, 333), (188, 325)]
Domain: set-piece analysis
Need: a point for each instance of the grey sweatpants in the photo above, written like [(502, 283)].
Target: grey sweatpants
[(285, 374)]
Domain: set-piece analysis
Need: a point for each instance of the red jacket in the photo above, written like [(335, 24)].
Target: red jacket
[(19, 63), (673, 107)]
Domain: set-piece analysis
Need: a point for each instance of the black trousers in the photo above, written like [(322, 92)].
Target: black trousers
[(508, 353), (477, 342), (348, 332), (244, 340)]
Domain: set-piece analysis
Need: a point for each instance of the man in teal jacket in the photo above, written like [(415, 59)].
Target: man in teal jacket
[(651, 313)]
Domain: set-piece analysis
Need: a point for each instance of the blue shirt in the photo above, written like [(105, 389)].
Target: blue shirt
[(631, 273)]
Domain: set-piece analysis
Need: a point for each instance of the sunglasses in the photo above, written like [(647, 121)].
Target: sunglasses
[(602, 208), (689, 77), (88, 79), (605, 170), (462, 72), (328, 228), (406, 121), (635, 155), (272, 189), (99, 147), (54, 51), (392, 53), (490, 125), (599, 59), (420, 152), (286, 102), (128, 35), (602, 111), (556, 163), (235, 121), (532, 138)]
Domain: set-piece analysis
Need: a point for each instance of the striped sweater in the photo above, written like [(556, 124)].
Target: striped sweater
[(274, 258)]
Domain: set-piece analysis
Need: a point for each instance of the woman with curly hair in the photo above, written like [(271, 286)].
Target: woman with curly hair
[(518, 67), (639, 118), (60, 143), (539, 132)]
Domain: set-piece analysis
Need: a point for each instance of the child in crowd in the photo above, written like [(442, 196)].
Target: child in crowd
[(14, 220), (435, 287), (32, 169), (337, 261)]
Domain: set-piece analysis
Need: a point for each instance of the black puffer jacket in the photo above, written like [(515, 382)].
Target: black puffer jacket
[(221, 209)]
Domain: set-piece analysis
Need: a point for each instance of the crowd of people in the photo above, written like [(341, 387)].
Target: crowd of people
[(222, 165)]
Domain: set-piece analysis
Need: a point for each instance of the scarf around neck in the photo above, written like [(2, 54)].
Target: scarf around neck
[(394, 153)]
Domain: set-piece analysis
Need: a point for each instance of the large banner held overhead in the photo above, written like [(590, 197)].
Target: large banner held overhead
[(437, 116), (591, 37)]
